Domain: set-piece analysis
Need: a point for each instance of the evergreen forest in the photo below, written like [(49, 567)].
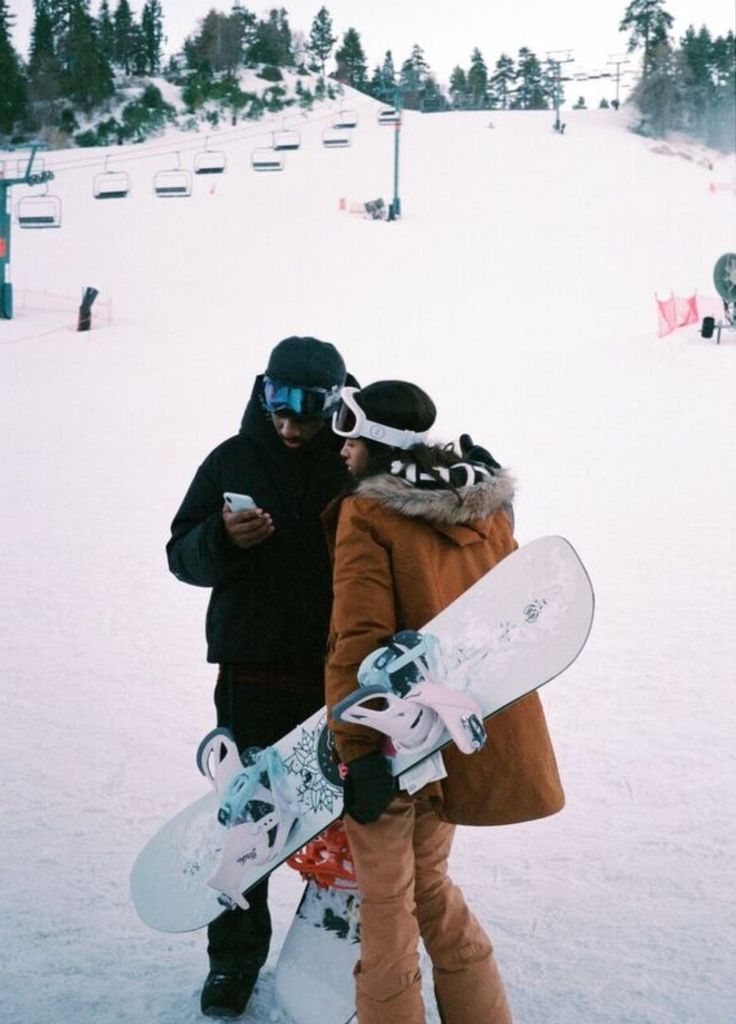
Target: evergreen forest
[(97, 78)]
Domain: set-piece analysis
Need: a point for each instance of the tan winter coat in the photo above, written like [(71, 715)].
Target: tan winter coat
[(401, 555)]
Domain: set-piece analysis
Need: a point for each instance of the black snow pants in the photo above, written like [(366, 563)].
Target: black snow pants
[(259, 704)]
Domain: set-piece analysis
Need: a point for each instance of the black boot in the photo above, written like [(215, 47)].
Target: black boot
[(225, 994)]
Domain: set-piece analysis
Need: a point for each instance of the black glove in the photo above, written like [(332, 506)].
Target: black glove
[(476, 453), (368, 788)]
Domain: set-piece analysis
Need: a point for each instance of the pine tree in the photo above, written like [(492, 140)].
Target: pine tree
[(13, 97), (247, 24), (152, 30), (432, 98), (388, 75), (529, 88), (321, 39), (219, 46), (272, 42), (138, 55), (350, 58), (87, 78), (503, 79), (657, 95), (44, 67), (721, 126), (124, 36), (105, 31), (458, 88), (413, 77), (477, 80), (648, 24), (414, 70), (697, 77)]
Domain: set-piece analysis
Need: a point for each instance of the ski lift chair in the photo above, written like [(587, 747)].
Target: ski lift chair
[(110, 184), (345, 119), (389, 115), (286, 138), (209, 161), (173, 184), (335, 138), (40, 211), (265, 158)]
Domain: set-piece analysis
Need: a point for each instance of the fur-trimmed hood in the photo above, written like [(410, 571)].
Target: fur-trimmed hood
[(445, 506)]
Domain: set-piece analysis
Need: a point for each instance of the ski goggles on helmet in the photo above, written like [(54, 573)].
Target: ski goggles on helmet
[(299, 401), (350, 421)]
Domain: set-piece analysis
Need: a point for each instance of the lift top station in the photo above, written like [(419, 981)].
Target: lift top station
[(14, 170)]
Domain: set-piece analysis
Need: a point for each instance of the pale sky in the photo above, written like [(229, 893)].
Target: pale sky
[(446, 31)]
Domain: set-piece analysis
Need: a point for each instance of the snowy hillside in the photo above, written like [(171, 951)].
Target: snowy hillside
[(518, 289)]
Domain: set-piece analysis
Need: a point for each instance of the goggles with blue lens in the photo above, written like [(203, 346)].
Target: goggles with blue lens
[(294, 400), (350, 421)]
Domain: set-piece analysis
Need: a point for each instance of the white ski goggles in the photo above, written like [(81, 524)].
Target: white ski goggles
[(350, 421)]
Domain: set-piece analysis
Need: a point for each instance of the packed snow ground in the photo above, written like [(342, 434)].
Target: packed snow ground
[(519, 290)]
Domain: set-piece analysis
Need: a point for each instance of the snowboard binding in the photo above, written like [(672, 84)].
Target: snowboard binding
[(406, 692), (326, 860), (257, 808)]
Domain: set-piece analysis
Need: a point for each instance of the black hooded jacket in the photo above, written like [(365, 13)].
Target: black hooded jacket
[(270, 604)]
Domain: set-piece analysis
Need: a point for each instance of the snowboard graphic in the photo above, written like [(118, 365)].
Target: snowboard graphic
[(514, 630), (314, 973)]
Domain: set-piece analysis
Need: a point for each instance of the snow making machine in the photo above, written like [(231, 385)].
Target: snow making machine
[(724, 278)]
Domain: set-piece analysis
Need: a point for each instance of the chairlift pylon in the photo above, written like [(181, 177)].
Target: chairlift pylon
[(176, 183), (110, 184), (265, 158)]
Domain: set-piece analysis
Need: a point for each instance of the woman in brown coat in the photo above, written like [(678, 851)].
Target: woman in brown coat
[(420, 525)]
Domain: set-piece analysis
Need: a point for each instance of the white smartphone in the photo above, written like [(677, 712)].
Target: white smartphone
[(238, 502)]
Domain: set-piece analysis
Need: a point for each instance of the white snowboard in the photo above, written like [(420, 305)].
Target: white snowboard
[(518, 627), (314, 974)]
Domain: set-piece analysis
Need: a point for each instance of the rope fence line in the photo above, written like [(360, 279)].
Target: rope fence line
[(35, 300)]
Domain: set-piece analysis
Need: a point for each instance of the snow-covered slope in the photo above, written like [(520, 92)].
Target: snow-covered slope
[(519, 290)]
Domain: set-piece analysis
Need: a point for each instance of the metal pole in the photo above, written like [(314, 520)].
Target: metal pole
[(618, 62), (397, 141), (28, 178), (6, 288), (558, 62)]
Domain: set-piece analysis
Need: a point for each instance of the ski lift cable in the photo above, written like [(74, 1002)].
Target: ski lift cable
[(153, 151)]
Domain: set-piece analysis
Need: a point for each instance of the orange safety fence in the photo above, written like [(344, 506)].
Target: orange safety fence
[(677, 311)]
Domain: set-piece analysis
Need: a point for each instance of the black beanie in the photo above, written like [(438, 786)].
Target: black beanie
[(307, 362), (397, 403)]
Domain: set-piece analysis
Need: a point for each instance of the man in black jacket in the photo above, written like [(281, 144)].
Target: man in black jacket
[(270, 575)]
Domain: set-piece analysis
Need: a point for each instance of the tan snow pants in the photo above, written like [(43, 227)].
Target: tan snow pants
[(401, 867)]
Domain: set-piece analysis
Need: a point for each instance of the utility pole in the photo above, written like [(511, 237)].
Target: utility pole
[(558, 62), (10, 175), (618, 61)]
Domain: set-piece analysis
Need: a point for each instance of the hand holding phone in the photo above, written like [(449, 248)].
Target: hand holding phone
[(238, 502), (245, 531)]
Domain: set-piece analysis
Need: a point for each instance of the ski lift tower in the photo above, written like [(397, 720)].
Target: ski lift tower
[(13, 172), (618, 62), (392, 116), (557, 58)]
